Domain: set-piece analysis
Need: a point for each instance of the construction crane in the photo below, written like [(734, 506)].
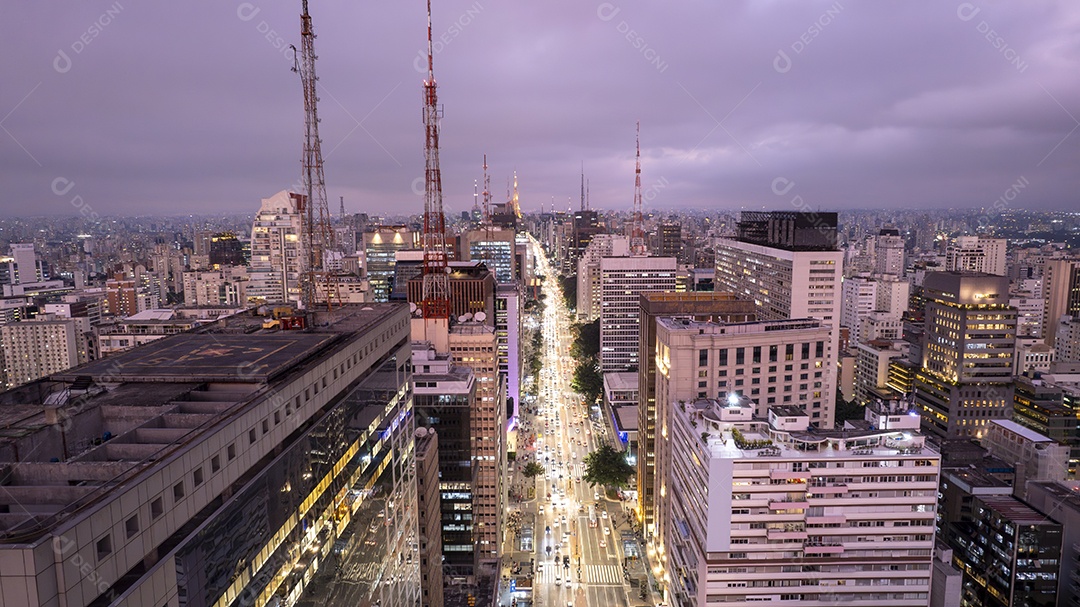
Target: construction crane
[(435, 304), (637, 229), (318, 234)]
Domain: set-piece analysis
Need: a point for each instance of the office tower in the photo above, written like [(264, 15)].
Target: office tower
[(720, 307), (585, 227), (472, 290), (277, 249), (776, 362), (1067, 343), (787, 263), (1061, 295), (883, 297), (589, 291), (872, 360), (509, 323), (967, 358), (226, 250), (445, 400), (976, 254), (1009, 554), (1061, 504), (43, 346), (201, 244), (21, 265), (622, 279), (889, 252), (474, 344), (381, 243), (214, 466), (668, 239), (494, 247), (1034, 456), (766, 510), (429, 512)]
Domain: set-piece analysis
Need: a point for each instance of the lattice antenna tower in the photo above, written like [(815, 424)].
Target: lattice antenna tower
[(436, 281), (487, 199), (583, 207), (637, 231), (318, 234)]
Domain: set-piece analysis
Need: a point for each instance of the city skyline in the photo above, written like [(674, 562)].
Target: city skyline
[(115, 109)]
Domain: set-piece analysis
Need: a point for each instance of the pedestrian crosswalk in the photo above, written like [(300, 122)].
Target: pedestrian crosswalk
[(603, 574)]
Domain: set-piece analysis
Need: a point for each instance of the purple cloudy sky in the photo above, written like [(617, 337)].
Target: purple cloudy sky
[(132, 107)]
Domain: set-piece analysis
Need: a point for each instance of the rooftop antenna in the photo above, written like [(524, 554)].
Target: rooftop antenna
[(637, 233), (436, 282), (583, 206)]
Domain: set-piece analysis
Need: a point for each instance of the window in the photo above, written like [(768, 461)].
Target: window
[(789, 352), (806, 350), (757, 354), (251, 436), (703, 358), (178, 491), (723, 357), (265, 426), (131, 526), (157, 508), (104, 547), (819, 349), (740, 356), (197, 476), (231, 452), (277, 417), (215, 463), (772, 354)]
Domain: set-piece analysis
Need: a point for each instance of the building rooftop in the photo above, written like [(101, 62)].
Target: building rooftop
[(1026, 433), (1015, 510), (70, 439), (621, 380)]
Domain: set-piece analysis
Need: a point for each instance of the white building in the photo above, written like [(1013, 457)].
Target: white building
[(976, 254), (885, 295), (622, 280), (1029, 311), (793, 516), (859, 298), (37, 348), (588, 272), (1067, 344), (224, 286), (276, 249), (872, 365), (889, 252)]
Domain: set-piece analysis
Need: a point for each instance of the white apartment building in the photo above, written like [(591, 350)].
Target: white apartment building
[(622, 280), (880, 325), (889, 252), (766, 510), (862, 295), (872, 365), (276, 246), (780, 362), (1068, 339), (226, 286), (588, 274), (976, 254), (36, 348)]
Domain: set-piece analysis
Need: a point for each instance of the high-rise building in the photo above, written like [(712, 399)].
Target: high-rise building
[(668, 239), (508, 327), (495, 248), (122, 297), (1061, 504), (1067, 343), (381, 243), (40, 347), (622, 279), (884, 296), (967, 356), (21, 265), (429, 507), (277, 249), (788, 362), (786, 263), (720, 307), (589, 291), (224, 286), (872, 360), (1061, 295), (1034, 456), (1009, 554), (976, 254), (889, 252), (445, 397), (770, 510), (474, 345), (226, 465)]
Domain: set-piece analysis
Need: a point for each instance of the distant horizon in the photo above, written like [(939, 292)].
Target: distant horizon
[(112, 111)]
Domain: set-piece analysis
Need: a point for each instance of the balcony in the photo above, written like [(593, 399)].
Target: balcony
[(826, 520), (789, 474), (800, 504), (822, 548), (783, 534)]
